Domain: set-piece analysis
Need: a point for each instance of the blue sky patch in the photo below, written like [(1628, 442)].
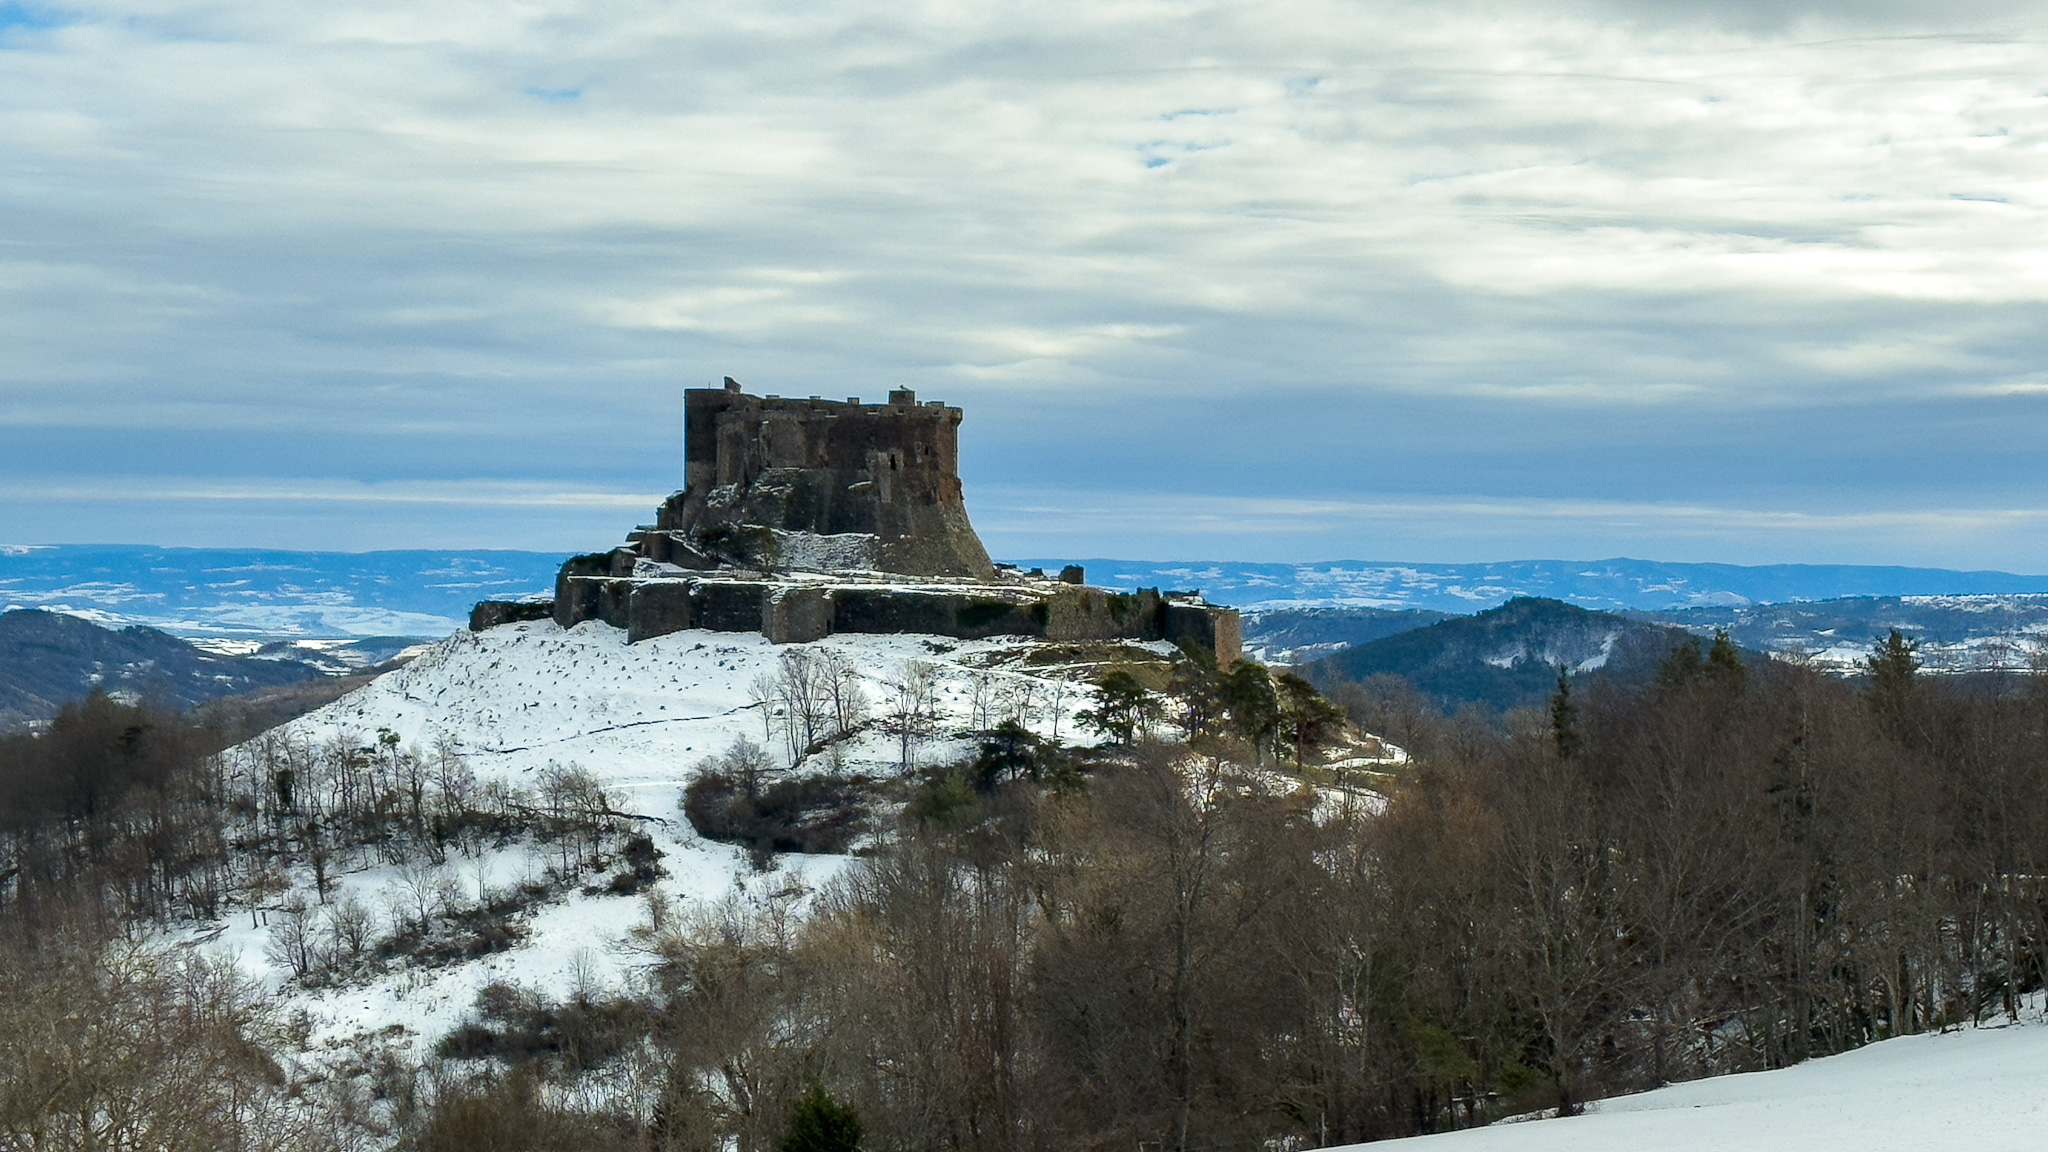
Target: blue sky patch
[(14, 16)]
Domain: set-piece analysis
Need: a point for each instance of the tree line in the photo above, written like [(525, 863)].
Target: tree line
[(1728, 867), (1174, 941)]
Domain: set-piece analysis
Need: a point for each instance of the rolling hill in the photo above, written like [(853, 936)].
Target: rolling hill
[(1507, 657), (48, 659)]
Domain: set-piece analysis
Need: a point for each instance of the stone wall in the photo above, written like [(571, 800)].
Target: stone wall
[(780, 492), (760, 468), (788, 612)]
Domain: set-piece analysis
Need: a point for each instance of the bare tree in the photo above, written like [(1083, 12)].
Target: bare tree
[(1058, 694), (804, 692), (1019, 700), (983, 686), (418, 894), (116, 1044), (913, 708), (294, 938), (849, 697), (765, 692), (350, 926)]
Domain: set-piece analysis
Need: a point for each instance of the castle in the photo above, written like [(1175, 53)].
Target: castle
[(803, 518)]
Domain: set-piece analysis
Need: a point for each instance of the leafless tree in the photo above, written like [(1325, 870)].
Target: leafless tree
[(804, 694), (913, 708), (849, 695)]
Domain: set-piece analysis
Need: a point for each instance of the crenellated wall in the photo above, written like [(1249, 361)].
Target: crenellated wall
[(816, 484), (802, 518)]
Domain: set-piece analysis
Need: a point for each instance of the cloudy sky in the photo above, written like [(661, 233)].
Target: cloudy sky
[(1286, 280)]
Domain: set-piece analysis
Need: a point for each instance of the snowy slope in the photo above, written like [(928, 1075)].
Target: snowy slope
[(525, 697), (1976, 1090)]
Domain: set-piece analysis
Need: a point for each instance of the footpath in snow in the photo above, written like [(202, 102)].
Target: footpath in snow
[(1973, 1090)]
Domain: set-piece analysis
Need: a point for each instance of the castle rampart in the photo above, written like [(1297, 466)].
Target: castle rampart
[(803, 518)]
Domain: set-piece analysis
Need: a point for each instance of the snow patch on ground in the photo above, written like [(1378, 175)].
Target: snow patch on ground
[(1973, 1090)]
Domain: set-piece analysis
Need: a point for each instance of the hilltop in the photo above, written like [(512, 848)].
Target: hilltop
[(48, 659), (1507, 657)]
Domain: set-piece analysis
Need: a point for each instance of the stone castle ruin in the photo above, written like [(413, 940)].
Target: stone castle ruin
[(803, 518), (774, 483)]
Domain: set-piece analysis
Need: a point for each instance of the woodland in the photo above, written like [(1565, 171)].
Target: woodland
[(1202, 934)]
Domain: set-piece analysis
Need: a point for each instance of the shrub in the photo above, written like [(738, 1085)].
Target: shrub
[(818, 1123), (813, 814)]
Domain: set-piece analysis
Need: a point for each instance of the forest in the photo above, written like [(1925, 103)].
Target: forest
[(1200, 935)]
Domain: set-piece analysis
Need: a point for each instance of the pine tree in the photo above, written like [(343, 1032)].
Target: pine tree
[(1725, 666), (1682, 665), (1253, 705), (1564, 716), (1307, 719), (1124, 705), (1892, 691), (818, 1123)]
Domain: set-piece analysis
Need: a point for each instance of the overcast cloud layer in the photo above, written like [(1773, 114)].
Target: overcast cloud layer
[(1274, 281)]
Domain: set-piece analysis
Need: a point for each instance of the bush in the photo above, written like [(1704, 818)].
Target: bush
[(814, 814), (818, 1123), (641, 869), (519, 1028)]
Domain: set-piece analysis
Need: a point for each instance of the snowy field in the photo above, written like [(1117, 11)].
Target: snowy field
[(522, 698), (1974, 1090)]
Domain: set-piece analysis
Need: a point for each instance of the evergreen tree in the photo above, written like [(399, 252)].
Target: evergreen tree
[(1306, 718), (1892, 692), (1198, 688), (1892, 663), (1121, 708), (1725, 666), (818, 1123), (1682, 665), (1253, 705), (1564, 715)]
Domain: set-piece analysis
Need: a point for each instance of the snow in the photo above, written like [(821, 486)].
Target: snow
[(524, 697), (1977, 1089), (845, 552)]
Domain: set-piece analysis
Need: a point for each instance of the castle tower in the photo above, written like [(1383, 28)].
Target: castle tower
[(785, 484)]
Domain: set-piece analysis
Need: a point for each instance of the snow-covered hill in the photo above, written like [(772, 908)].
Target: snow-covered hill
[(521, 700), (1974, 1090)]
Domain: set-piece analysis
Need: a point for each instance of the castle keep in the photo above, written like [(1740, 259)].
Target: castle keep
[(802, 518), (879, 483)]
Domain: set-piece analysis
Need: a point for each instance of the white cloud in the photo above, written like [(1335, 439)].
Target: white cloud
[(470, 219)]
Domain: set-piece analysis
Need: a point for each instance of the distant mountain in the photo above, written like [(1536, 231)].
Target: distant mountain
[(1508, 656), (249, 592), (1297, 635), (48, 659), (1956, 633), (224, 592), (1643, 585)]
